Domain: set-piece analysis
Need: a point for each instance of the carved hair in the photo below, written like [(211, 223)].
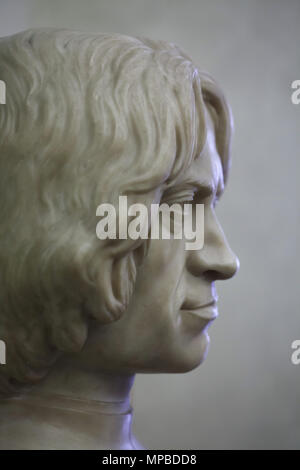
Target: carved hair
[(87, 117)]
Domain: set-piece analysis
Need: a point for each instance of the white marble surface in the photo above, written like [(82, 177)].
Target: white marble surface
[(243, 399)]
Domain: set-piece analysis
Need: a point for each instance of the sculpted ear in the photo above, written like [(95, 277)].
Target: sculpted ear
[(115, 282), (124, 272), (123, 278)]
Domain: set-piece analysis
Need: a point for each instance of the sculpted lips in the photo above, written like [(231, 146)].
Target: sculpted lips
[(206, 311)]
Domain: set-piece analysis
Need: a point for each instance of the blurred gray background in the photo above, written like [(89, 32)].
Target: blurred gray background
[(246, 394)]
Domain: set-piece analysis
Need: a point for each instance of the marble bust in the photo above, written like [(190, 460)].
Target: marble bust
[(89, 117)]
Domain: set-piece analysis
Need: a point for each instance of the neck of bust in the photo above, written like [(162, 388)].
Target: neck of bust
[(76, 408), (72, 381)]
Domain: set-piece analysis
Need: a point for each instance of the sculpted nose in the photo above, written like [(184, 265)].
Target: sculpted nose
[(223, 265), (216, 259)]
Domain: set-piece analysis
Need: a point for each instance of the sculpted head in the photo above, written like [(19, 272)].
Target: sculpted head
[(89, 117)]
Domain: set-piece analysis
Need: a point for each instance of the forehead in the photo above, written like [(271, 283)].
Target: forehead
[(206, 173)]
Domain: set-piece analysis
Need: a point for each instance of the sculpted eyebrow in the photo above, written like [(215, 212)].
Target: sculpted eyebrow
[(203, 188)]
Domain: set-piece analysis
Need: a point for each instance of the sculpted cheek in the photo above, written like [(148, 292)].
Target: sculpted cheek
[(164, 254)]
